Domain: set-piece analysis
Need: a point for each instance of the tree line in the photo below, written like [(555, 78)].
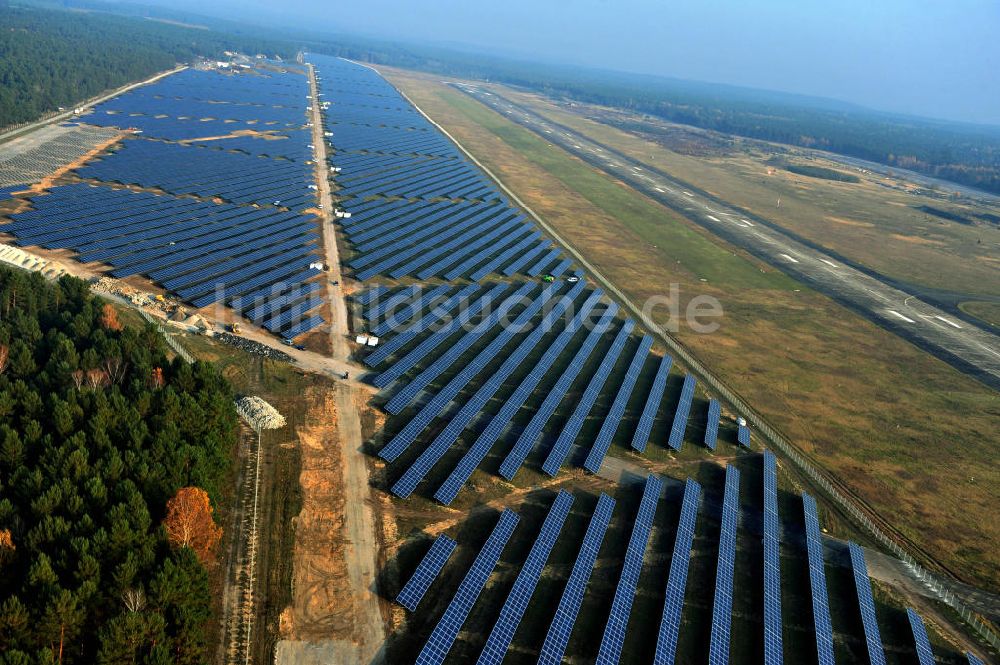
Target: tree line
[(109, 453)]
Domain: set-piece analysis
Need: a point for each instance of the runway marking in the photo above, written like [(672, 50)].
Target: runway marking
[(688, 194), (786, 256), (746, 221), (829, 263), (905, 318), (659, 190), (714, 219), (950, 323)]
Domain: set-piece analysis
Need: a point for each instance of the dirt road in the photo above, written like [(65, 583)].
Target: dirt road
[(358, 531)]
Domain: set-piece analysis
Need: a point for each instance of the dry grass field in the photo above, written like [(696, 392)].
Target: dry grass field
[(910, 436)]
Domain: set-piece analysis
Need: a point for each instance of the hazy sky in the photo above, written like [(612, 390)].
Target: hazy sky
[(938, 59)]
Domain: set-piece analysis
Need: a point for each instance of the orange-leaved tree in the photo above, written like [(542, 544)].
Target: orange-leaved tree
[(109, 318), (189, 523)]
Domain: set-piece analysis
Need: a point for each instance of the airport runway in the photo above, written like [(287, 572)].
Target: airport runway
[(965, 346)]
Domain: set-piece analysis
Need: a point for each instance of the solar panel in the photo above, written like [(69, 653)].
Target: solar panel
[(621, 607), (614, 416), (397, 298), (524, 586), (641, 436), (743, 436), (466, 315), (712, 424), (484, 442), (670, 624), (817, 583), (443, 636), (519, 452), (428, 569), (722, 606), (572, 427), (973, 660), (439, 312), (924, 654), (680, 422), (773, 654), (561, 627), (447, 437), (863, 586), (442, 398)]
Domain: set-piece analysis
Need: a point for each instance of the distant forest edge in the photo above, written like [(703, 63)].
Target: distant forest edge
[(53, 58), (962, 153)]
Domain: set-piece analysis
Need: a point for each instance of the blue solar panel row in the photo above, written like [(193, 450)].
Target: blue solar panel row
[(408, 392), (973, 659), (743, 436), (817, 583), (449, 435), (712, 423), (524, 586), (682, 413), (202, 251), (670, 624), (443, 636), (425, 300), (863, 587), (427, 571), (384, 305), (414, 356), (515, 458), (621, 607), (438, 312), (614, 417), (442, 398), (477, 452), (641, 435), (560, 450), (561, 627), (773, 651), (450, 488), (722, 605), (920, 640)]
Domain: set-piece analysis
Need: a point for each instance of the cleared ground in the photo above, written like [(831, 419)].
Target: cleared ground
[(866, 405)]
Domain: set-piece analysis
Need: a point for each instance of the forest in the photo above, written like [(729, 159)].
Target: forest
[(53, 58), (101, 439)]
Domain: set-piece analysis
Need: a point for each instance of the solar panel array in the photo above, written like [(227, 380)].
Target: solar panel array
[(743, 436), (920, 640), (524, 586), (817, 583), (670, 624), (712, 424), (560, 450), (448, 436), (519, 452), (621, 607), (612, 420), (428, 569), (722, 605), (679, 425), (256, 259), (773, 654), (435, 213), (863, 587), (443, 636), (561, 627), (641, 435), (973, 659), (484, 442)]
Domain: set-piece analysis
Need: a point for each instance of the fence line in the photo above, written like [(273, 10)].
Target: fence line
[(171, 342)]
